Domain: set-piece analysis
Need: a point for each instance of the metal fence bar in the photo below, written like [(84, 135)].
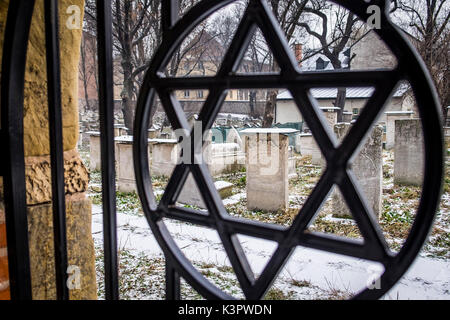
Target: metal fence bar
[(106, 107), (12, 90), (56, 146), (170, 13), (172, 282)]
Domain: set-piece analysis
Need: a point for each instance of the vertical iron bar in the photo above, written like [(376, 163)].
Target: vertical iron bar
[(170, 14), (56, 146), (172, 282), (12, 90), (106, 106)]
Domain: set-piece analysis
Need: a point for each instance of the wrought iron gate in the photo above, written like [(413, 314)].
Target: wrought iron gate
[(257, 14)]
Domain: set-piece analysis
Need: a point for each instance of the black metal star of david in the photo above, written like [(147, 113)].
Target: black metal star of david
[(338, 172)]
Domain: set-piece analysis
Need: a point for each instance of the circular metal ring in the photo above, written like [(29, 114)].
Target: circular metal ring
[(410, 67)]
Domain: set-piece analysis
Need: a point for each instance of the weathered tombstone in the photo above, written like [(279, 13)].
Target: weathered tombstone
[(267, 168), (167, 133), (347, 116), (307, 146), (368, 169), (292, 162), (164, 156), (391, 117), (190, 194), (331, 115), (409, 152), (224, 158), (152, 133), (120, 130), (85, 138), (234, 137), (447, 133), (126, 181), (80, 139), (94, 150)]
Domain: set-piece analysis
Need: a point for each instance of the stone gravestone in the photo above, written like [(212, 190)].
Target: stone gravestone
[(368, 169), (234, 137), (164, 156), (409, 152), (391, 117), (292, 164), (330, 115), (190, 194), (94, 150), (307, 146), (347, 116), (267, 168), (152, 133), (120, 130), (126, 181)]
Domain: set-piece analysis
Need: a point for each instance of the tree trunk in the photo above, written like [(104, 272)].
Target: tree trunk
[(127, 96), (340, 103), (84, 74), (252, 103), (270, 109), (128, 113)]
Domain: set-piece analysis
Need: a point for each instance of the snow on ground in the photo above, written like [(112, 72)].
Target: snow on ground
[(321, 275), (309, 274)]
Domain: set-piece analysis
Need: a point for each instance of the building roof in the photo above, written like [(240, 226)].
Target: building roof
[(331, 93), (283, 131)]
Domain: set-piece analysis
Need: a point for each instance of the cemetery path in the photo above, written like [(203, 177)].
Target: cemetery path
[(309, 274)]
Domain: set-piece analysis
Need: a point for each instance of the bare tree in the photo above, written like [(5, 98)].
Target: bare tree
[(137, 33), (288, 14), (195, 49), (337, 27), (88, 65), (427, 24), (258, 59)]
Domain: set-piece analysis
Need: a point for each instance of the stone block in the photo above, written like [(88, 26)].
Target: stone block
[(330, 115), (292, 161), (307, 146), (120, 130), (80, 249), (38, 177), (391, 117), (367, 167), (267, 171), (224, 158), (190, 194), (164, 156), (94, 151), (409, 152)]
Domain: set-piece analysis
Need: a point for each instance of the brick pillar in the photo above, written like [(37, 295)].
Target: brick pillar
[(4, 282)]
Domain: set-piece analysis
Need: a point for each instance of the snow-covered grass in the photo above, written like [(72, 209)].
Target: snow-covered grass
[(309, 274)]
